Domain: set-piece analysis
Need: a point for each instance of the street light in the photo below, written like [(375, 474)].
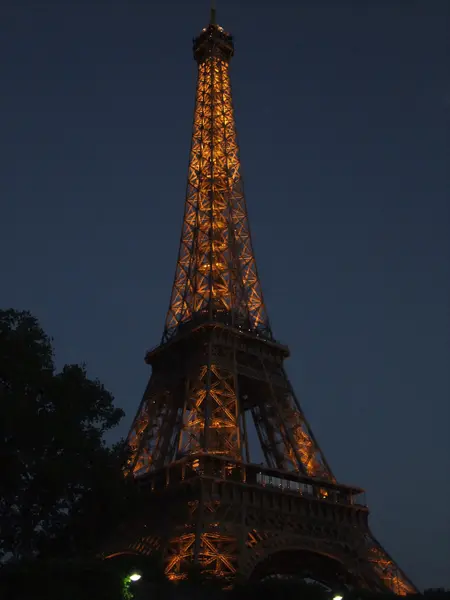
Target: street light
[(137, 576), (337, 597)]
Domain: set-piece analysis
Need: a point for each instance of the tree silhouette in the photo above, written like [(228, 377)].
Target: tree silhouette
[(54, 461)]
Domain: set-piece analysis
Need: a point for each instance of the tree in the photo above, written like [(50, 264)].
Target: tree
[(54, 460), (61, 580)]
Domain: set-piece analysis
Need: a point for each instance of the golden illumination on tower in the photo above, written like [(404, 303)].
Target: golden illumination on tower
[(216, 274), (218, 363), (387, 570), (216, 557), (303, 454), (219, 432)]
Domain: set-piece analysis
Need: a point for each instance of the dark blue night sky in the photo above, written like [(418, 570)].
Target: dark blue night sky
[(343, 116)]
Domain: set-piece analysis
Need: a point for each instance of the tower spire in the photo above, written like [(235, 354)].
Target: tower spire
[(212, 19), (216, 278)]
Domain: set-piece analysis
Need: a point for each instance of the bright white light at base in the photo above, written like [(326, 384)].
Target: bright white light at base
[(337, 598), (136, 577)]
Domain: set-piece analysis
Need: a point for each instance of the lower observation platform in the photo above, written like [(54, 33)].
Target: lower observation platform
[(243, 521), (221, 469)]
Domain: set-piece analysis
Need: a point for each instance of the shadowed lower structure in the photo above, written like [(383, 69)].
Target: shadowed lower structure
[(217, 366)]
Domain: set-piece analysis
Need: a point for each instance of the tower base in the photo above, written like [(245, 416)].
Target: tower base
[(245, 522)]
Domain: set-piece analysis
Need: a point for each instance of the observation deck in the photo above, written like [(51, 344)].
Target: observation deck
[(213, 41), (220, 470)]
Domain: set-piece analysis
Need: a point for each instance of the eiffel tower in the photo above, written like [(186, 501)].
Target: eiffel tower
[(217, 366)]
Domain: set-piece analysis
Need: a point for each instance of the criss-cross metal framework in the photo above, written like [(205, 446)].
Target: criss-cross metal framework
[(216, 269), (216, 281), (218, 362)]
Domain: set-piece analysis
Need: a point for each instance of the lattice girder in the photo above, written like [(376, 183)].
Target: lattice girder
[(145, 434), (284, 433), (216, 268), (192, 409), (387, 570), (302, 451), (211, 415), (200, 409), (216, 555)]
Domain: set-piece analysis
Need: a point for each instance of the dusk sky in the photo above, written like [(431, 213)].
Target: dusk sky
[(342, 111)]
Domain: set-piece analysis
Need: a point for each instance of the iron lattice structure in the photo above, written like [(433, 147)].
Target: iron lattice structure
[(218, 364)]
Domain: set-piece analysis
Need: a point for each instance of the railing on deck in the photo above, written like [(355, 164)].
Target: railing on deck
[(225, 469)]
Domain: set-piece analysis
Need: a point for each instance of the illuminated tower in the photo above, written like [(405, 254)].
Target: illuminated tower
[(218, 365)]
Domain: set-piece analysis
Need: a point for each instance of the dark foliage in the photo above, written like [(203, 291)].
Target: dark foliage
[(108, 580), (62, 580), (53, 458)]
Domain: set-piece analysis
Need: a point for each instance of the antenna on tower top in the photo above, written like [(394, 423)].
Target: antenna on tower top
[(213, 13)]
